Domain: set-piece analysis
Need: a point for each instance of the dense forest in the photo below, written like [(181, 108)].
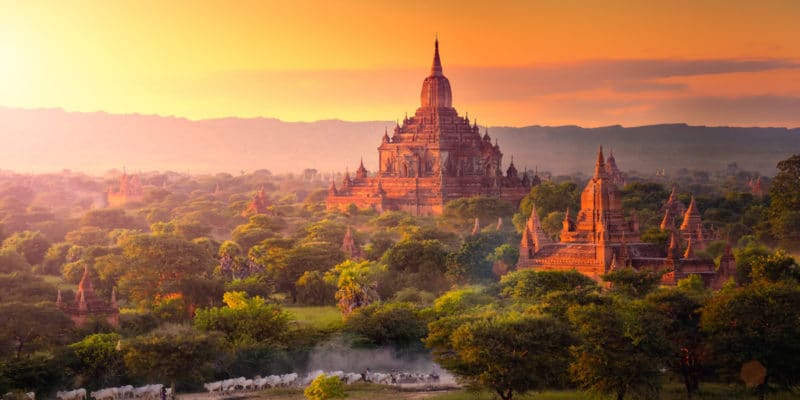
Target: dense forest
[(209, 289)]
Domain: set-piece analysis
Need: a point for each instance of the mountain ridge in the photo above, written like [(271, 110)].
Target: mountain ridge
[(52, 139)]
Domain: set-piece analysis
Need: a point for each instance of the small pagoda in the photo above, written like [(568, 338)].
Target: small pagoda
[(87, 305)]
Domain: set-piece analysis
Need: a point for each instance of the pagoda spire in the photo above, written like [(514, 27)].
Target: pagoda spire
[(436, 68), (689, 251), (477, 227), (600, 166)]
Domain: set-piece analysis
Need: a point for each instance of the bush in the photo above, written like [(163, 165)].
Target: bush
[(325, 387)]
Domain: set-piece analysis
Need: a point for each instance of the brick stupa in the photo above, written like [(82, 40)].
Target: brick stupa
[(433, 157)]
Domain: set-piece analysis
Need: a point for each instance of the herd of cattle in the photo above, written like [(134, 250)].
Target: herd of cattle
[(294, 380), (146, 392), (157, 392)]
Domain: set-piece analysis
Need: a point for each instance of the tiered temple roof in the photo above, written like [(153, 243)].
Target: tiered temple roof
[(601, 240), (432, 157)]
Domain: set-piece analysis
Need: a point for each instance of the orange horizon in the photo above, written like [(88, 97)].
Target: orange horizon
[(515, 63)]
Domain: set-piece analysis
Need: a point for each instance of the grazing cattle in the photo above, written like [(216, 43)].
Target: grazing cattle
[(125, 392), (105, 394), (213, 386), (77, 394)]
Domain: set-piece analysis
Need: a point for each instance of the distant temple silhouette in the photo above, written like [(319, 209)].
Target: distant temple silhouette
[(433, 157), (600, 240), (130, 189)]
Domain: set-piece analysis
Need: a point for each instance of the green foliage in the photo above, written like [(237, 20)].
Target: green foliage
[(746, 258), (11, 261), (472, 262), (689, 356), (461, 213), (417, 263), (258, 228), (25, 287), (244, 320), (325, 387), (533, 285), (88, 236), (461, 300), (161, 265), (31, 245), (55, 258), (548, 197), (99, 363), (355, 284), (174, 353), (397, 324), (784, 208), (776, 267), (108, 218), (759, 322), (39, 372), (622, 348), (27, 328), (312, 289), (633, 283), (656, 236), (509, 353)]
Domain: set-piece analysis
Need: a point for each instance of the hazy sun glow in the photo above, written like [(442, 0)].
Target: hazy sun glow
[(516, 63)]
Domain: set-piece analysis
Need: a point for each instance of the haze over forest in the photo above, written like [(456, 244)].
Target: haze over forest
[(48, 140)]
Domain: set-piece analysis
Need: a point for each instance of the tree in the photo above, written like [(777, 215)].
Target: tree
[(532, 285), (325, 387), (162, 265), (31, 245), (417, 263), (99, 363), (472, 262), (632, 283), (398, 324), (312, 289), (244, 320), (258, 228), (356, 284), (689, 351), (11, 261), (784, 208), (25, 287), (29, 327), (508, 353), (758, 322), (622, 347), (776, 267), (109, 218), (176, 353), (299, 259)]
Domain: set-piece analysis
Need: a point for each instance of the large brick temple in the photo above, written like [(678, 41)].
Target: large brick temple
[(433, 157), (600, 239)]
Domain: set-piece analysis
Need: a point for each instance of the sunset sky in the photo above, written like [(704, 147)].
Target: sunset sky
[(518, 63)]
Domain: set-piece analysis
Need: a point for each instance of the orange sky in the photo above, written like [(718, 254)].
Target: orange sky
[(517, 63)]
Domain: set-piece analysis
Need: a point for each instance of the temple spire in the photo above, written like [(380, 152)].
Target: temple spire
[(436, 69), (476, 229), (600, 166)]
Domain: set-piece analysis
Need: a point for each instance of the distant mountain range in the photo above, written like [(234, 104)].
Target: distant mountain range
[(49, 140)]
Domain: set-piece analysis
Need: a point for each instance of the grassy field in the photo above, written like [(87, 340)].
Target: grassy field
[(325, 317)]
